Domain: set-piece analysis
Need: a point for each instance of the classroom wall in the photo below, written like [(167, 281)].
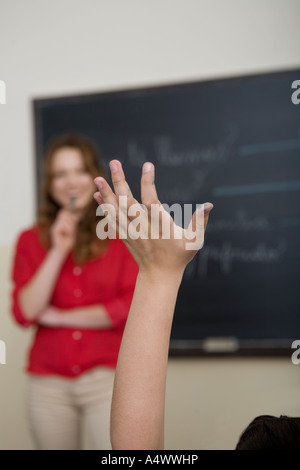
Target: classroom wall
[(68, 46)]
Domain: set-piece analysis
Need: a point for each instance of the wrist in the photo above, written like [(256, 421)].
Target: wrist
[(161, 277), (51, 317), (59, 252), (155, 292)]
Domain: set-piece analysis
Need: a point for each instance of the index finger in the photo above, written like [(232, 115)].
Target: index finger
[(120, 184), (148, 191)]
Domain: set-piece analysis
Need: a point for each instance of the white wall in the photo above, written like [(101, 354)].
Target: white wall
[(69, 46)]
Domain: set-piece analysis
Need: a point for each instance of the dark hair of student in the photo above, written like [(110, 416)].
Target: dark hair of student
[(267, 432)]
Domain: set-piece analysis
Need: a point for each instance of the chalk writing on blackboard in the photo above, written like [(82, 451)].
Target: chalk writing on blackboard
[(228, 253)]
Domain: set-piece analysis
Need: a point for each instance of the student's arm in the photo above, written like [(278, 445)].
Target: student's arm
[(138, 405)]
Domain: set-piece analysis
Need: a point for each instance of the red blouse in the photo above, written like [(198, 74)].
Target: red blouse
[(108, 280)]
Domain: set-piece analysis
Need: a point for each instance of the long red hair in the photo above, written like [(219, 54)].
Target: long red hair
[(87, 245)]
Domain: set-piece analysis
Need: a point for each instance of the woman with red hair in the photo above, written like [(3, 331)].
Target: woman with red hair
[(75, 290)]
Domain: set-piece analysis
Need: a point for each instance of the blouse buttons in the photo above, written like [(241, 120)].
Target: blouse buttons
[(77, 271), (77, 335), (77, 293)]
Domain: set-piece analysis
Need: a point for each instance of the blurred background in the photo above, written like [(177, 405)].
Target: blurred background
[(67, 47)]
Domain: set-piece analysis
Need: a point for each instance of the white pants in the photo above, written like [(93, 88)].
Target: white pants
[(61, 408)]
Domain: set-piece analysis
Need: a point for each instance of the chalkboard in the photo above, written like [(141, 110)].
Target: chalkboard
[(234, 142)]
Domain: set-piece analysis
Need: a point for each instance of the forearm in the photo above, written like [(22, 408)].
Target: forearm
[(35, 296), (94, 316), (137, 416)]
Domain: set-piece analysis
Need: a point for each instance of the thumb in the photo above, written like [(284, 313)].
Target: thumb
[(208, 207), (197, 225), (201, 213)]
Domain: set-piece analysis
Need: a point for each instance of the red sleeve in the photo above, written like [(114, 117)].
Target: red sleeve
[(23, 268), (118, 308)]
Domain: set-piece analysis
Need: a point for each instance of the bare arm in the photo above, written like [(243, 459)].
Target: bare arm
[(35, 296), (138, 405), (92, 316)]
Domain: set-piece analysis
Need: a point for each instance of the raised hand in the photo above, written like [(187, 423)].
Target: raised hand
[(149, 231)]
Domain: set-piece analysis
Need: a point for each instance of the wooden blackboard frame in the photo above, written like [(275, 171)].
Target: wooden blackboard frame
[(185, 348)]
